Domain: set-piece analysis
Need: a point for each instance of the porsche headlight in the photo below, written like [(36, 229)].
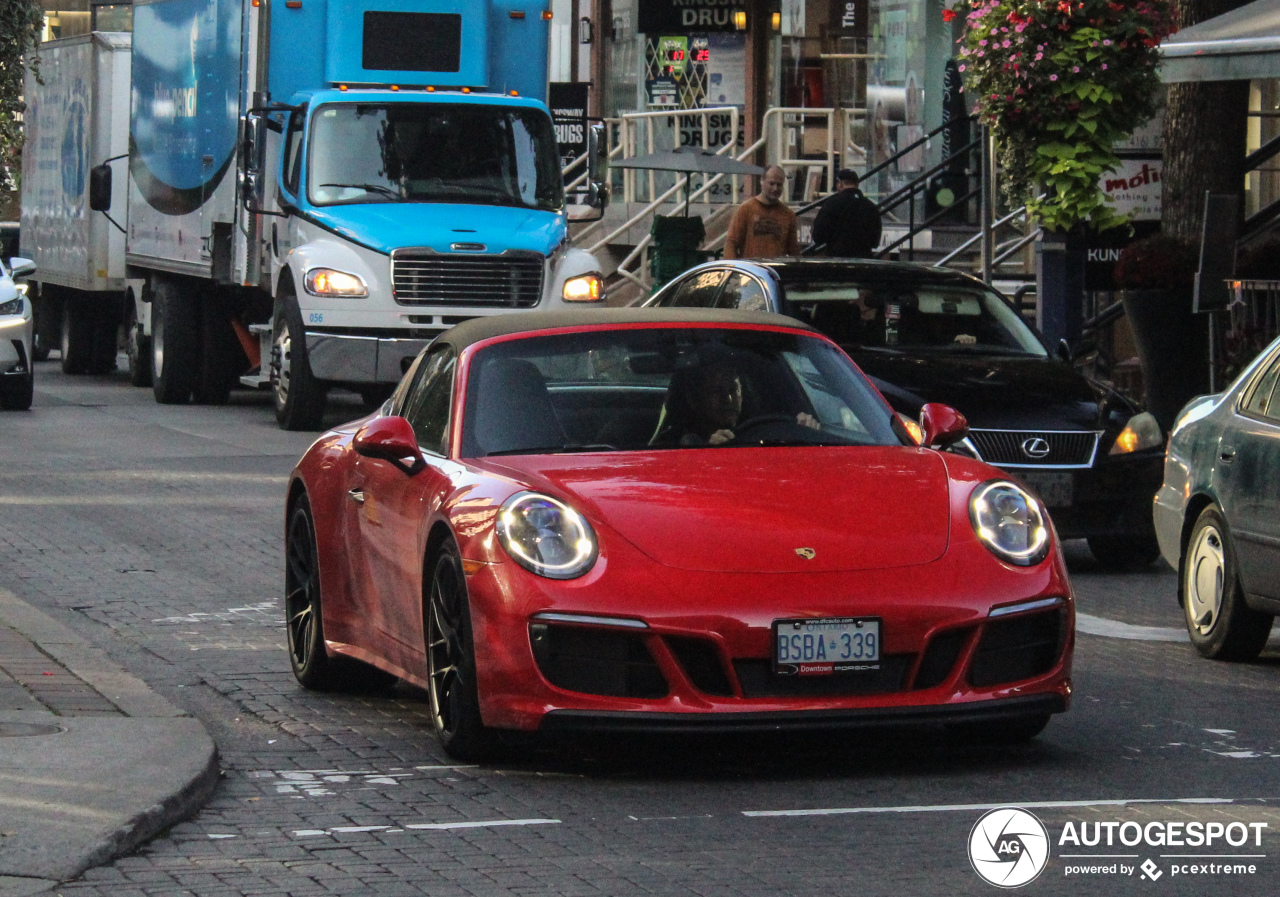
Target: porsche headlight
[(1142, 432), (1010, 522), (546, 536), (12, 307), (582, 289), (328, 282)]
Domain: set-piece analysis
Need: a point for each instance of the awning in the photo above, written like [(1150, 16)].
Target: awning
[(1236, 46)]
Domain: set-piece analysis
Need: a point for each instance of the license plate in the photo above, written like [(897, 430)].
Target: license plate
[(1056, 489), (823, 647)]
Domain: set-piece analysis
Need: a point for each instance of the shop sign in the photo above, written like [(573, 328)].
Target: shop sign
[(673, 54), (850, 17), (719, 130), (688, 16), (1135, 188), (662, 91), (568, 103)]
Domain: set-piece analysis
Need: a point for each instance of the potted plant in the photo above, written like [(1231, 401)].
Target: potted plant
[(1155, 276), (1059, 82)]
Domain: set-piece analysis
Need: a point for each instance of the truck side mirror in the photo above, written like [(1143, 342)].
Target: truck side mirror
[(254, 156), (597, 167), (100, 188)]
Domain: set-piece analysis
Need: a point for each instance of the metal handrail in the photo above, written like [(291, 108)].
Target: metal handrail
[(1019, 212)]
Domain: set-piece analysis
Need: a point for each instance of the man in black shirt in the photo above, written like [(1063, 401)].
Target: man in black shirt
[(848, 223)]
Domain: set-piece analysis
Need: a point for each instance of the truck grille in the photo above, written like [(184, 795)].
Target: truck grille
[(1025, 448), (511, 280)]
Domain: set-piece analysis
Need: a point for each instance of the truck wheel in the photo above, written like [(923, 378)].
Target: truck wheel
[(77, 336), (137, 346), (175, 342), (106, 338), (217, 345), (300, 397)]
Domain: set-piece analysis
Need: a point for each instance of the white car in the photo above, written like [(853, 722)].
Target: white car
[(17, 377)]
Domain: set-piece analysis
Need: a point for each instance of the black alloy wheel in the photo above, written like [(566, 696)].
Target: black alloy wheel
[(302, 608), (451, 664)]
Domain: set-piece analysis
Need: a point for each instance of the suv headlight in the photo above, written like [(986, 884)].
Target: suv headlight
[(546, 536), (1141, 432), (12, 307), (1010, 522), (328, 282), (586, 288)]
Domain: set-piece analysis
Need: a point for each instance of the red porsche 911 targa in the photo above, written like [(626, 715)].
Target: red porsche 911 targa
[(625, 520)]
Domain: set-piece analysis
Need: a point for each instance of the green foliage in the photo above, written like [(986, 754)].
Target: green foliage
[(20, 24), (1060, 82)]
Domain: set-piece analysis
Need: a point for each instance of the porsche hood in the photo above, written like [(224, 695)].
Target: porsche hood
[(757, 510)]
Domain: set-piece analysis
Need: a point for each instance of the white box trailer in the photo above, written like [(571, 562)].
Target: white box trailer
[(77, 117)]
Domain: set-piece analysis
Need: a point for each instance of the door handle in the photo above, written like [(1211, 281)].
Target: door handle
[(356, 495), (1226, 453)]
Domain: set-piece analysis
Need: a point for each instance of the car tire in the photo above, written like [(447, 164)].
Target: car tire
[(47, 330), (16, 392), (304, 618), (1017, 730), (451, 663), (175, 341), (1125, 552), (1221, 625), (77, 336), (137, 346), (300, 397)]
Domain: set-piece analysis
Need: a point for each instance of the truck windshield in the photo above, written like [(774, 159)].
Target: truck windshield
[(433, 152)]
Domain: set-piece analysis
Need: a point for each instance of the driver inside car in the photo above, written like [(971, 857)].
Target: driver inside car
[(704, 406)]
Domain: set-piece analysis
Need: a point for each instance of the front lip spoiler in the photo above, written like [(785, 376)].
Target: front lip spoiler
[(993, 711)]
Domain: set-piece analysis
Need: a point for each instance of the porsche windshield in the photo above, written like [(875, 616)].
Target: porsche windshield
[(434, 152), (660, 388), (913, 318)]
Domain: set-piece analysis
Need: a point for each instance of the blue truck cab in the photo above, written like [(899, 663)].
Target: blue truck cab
[(332, 183)]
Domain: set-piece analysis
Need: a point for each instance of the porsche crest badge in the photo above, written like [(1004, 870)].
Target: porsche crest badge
[(807, 553)]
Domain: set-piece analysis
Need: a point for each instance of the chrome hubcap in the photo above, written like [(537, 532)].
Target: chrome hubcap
[(281, 364), (1204, 573)]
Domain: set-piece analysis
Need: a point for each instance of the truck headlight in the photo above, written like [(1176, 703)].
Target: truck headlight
[(328, 282), (1142, 432), (586, 288), (546, 536), (1010, 522)]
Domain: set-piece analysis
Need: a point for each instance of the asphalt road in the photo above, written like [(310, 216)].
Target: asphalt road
[(156, 532)]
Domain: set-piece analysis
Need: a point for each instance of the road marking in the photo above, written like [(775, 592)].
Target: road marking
[(421, 826), (950, 808), (1091, 625)]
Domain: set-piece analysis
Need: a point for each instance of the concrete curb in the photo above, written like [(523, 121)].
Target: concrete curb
[(101, 786)]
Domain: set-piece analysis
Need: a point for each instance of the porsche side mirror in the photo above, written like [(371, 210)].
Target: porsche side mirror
[(389, 439), (942, 425)]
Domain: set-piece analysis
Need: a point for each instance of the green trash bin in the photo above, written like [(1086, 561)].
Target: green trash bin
[(677, 242)]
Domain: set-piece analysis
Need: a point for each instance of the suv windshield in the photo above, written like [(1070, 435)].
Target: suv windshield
[(912, 318), (667, 388), (434, 152)]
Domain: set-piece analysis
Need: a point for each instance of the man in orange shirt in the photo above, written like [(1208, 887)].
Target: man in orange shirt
[(763, 227)]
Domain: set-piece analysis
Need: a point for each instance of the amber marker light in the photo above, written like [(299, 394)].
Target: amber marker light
[(342, 87), (471, 568), (293, 4), (466, 90), (515, 93), (516, 13), (546, 15), (431, 89)]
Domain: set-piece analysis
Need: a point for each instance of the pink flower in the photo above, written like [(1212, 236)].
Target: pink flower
[(1076, 69), (1053, 77), (1104, 66), (962, 68)]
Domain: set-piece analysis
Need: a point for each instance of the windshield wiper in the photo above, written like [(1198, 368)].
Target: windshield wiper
[(381, 189)]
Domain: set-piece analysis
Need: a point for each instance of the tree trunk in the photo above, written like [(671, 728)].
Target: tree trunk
[(1204, 136)]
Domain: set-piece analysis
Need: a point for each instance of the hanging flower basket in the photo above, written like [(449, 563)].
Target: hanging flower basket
[(1060, 82)]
